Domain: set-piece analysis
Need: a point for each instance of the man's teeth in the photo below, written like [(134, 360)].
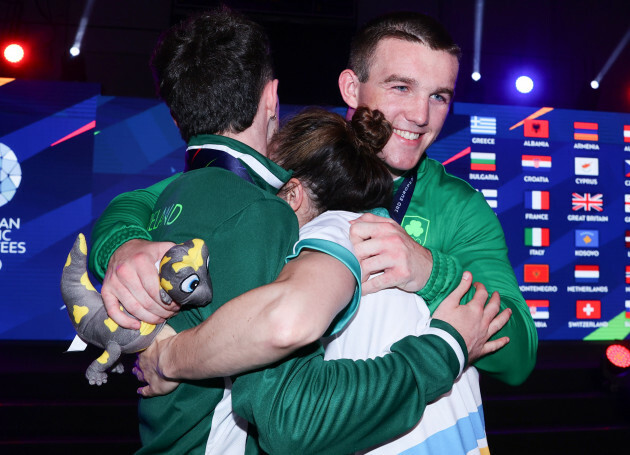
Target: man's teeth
[(407, 135)]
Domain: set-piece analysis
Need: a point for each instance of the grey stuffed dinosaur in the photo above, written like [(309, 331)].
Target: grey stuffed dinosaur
[(184, 278)]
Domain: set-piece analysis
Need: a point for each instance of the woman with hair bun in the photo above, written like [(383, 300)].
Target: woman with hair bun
[(337, 175)]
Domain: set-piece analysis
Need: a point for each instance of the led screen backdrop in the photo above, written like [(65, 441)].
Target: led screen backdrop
[(559, 181)]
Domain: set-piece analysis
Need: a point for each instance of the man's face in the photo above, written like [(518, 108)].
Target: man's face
[(413, 86)]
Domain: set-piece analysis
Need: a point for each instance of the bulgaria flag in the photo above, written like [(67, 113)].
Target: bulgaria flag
[(539, 309), (536, 236), (537, 200), (482, 161), (536, 162), (586, 273)]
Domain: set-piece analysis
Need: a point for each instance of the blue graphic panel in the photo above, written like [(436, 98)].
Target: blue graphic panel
[(558, 182)]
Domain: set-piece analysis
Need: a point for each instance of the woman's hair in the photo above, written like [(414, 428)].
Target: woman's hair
[(336, 160)]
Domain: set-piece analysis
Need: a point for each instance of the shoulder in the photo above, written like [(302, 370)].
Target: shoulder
[(437, 180)]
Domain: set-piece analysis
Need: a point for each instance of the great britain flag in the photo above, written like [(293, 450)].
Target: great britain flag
[(587, 202)]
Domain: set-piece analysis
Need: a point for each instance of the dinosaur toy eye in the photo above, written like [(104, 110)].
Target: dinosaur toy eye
[(190, 284)]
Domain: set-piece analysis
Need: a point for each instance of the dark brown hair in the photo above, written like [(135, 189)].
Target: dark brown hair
[(336, 160), (211, 70), (407, 26)]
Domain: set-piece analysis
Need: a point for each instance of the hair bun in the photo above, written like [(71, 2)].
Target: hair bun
[(372, 130)]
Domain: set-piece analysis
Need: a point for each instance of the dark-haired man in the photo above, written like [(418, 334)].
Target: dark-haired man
[(189, 419)]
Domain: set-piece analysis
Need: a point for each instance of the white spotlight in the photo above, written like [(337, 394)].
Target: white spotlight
[(475, 76), (594, 84), (75, 50), (524, 84)]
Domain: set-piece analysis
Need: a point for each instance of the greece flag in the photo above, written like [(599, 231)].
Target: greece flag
[(483, 125)]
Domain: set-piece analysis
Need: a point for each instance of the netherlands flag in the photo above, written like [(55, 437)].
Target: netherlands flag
[(536, 162), (586, 273), (539, 309), (537, 200), (585, 131)]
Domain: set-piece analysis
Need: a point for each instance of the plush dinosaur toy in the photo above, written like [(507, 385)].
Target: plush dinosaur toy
[(184, 278)]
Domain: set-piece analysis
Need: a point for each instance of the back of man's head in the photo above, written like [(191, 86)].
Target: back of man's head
[(408, 26), (211, 71)]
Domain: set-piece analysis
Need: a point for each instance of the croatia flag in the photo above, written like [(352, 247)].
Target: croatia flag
[(536, 162), (586, 273), (537, 200), (536, 236), (539, 309), (585, 131)]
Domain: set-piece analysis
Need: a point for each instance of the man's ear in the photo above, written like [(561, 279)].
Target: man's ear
[(293, 193), (270, 94), (349, 88)]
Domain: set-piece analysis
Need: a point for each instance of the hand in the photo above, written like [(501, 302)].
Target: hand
[(132, 280), (475, 321), (147, 366), (382, 245)]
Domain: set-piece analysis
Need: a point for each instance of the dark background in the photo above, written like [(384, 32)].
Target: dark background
[(563, 43)]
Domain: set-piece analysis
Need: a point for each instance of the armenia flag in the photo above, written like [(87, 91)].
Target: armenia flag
[(539, 309), (586, 273), (537, 200), (536, 236), (585, 131), (536, 162), (480, 161)]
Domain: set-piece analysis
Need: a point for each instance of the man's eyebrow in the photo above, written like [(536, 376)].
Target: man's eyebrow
[(402, 79)]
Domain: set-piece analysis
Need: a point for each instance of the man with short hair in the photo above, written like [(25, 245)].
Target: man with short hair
[(406, 65), (247, 228)]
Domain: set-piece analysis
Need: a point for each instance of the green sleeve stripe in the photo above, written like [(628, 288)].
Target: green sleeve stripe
[(349, 260)]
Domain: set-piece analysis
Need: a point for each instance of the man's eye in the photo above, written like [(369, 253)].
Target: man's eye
[(401, 88), (440, 98)]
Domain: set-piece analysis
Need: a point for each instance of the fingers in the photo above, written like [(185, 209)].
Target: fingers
[(492, 346), (114, 311)]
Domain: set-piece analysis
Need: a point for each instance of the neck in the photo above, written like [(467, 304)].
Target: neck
[(250, 138)]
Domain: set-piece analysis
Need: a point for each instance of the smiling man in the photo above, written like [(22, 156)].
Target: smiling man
[(405, 64)]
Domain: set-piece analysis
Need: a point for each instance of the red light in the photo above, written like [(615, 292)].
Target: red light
[(13, 53), (618, 355)]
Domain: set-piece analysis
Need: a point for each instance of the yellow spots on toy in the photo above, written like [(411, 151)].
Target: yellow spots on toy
[(85, 281), (165, 260), (165, 284), (78, 312), (146, 328), (193, 259), (69, 260), (111, 325), (103, 358), (120, 307), (82, 244)]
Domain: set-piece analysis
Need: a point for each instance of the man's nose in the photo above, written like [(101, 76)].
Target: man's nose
[(418, 111)]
